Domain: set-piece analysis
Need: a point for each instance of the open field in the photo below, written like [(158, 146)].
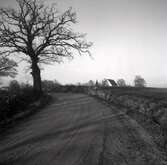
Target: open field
[(159, 93)]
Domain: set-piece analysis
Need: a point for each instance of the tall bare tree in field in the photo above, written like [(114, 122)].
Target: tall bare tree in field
[(39, 34)]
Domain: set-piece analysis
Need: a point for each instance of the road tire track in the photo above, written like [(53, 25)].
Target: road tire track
[(79, 130)]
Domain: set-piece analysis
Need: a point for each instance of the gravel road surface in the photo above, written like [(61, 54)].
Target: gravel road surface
[(78, 130)]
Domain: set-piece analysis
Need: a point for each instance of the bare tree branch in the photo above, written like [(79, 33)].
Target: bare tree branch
[(7, 67), (41, 33)]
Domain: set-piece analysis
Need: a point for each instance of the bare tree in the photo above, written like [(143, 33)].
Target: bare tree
[(14, 87), (41, 34), (90, 83), (139, 81), (7, 67), (121, 82)]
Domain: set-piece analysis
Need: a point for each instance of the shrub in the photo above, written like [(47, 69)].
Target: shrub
[(15, 100)]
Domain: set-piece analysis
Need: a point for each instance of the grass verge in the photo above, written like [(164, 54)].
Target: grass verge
[(30, 110)]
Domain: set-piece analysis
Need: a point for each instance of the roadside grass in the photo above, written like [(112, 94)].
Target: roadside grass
[(148, 106), (18, 101), (20, 104)]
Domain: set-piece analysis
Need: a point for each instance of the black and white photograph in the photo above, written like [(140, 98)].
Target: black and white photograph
[(83, 82)]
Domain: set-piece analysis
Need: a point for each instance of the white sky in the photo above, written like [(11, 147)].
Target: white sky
[(129, 36)]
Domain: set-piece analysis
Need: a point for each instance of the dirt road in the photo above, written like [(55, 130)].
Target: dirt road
[(79, 130)]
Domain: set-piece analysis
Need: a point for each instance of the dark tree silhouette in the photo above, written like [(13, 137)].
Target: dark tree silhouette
[(41, 34), (14, 87), (121, 82), (7, 67), (139, 81), (90, 83)]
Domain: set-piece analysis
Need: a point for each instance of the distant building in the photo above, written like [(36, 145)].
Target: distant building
[(110, 83)]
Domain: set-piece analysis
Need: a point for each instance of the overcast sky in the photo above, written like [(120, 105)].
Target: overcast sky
[(129, 36)]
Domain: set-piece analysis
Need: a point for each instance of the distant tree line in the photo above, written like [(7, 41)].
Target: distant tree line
[(138, 82)]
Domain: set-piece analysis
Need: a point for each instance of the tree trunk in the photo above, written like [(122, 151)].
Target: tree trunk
[(36, 74)]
